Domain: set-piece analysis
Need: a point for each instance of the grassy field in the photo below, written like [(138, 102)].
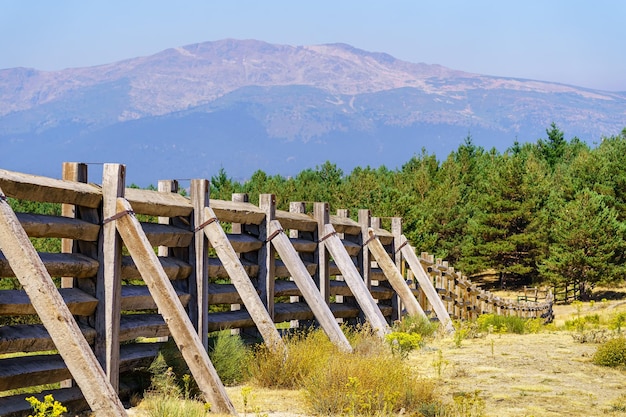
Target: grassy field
[(545, 374)]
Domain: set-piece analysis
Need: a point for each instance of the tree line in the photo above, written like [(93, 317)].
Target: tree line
[(549, 212)]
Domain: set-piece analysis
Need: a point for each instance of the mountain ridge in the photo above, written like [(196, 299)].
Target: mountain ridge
[(296, 95)]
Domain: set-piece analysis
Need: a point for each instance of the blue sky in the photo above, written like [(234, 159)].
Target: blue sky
[(573, 42)]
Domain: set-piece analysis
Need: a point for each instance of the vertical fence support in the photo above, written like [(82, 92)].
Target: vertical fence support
[(267, 254), (396, 302), (321, 213), (237, 228), (72, 171), (199, 257), (364, 260), (108, 282), (295, 207)]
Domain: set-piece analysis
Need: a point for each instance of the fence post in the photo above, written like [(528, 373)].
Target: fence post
[(322, 276), (108, 285), (72, 171), (237, 228), (396, 231), (295, 207), (364, 258), (199, 257), (267, 254)]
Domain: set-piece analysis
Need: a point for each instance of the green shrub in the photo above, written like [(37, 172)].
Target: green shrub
[(612, 353), (618, 321), (402, 343), (416, 325), (229, 355), (504, 324), (157, 405)]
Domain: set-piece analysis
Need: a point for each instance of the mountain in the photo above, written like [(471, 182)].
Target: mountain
[(245, 105)]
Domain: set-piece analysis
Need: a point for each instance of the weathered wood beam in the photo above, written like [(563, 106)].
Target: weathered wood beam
[(355, 281), (155, 203), (296, 221), (180, 326), (174, 268), (426, 285), (15, 302), (167, 235), (55, 315), (44, 189), (41, 225), (394, 277), (237, 212), (306, 285), (33, 338), (109, 277), (59, 265), (242, 283)]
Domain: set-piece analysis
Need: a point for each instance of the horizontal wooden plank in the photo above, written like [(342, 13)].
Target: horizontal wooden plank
[(15, 302), (135, 356), (296, 221), (44, 189), (72, 398), (167, 235), (224, 294), (352, 248), (243, 243), (27, 371), (345, 225), (40, 225), (237, 212), (133, 326), (59, 265), (217, 270), (155, 203), (17, 406), (281, 270), (384, 236), (284, 288), (174, 268), (303, 245), (33, 338), (137, 297), (229, 320)]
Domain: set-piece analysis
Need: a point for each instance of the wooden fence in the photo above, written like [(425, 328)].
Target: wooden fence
[(126, 283)]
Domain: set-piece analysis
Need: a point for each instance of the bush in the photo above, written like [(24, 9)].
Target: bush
[(369, 381), (612, 353), (229, 356), (352, 384), (157, 405), (504, 324), (416, 325), (306, 351)]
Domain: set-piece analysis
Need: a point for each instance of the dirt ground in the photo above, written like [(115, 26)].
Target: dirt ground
[(534, 375)]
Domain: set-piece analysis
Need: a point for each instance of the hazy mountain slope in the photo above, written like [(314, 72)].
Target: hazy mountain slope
[(247, 105)]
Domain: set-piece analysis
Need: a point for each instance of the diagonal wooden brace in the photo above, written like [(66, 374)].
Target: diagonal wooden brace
[(171, 309), (55, 316), (394, 277)]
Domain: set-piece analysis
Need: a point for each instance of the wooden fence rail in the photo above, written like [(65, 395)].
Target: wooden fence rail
[(137, 266)]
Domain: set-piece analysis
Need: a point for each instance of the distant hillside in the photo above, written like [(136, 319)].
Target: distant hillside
[(247, 105)]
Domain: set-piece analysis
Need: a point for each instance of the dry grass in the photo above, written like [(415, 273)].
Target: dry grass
[(540, 375)]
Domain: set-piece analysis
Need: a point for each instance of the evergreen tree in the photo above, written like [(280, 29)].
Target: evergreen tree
[(587, 243)]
